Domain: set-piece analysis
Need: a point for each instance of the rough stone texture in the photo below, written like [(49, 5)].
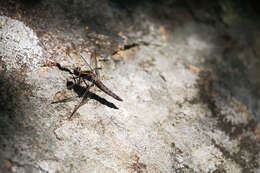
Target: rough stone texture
[(19, 46), (190, 90)]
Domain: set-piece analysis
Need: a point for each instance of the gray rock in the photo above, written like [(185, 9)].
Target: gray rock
[(19, 46), (177, 114)]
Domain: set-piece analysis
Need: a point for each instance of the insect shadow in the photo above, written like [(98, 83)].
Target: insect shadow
[(84, 91), (80, 90)]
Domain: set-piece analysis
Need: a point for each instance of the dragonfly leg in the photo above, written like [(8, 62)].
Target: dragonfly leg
[(85, 96)]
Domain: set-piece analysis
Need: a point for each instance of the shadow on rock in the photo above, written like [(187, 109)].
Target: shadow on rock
[(229, 89), (15, 124), (80, 90)]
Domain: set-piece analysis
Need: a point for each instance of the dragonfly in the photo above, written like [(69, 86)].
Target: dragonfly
[(91, 75)]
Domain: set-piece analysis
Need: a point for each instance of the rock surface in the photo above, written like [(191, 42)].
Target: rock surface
[(190, 90)]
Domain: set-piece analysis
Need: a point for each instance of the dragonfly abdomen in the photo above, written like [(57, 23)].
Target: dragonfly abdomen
[(101, 86)]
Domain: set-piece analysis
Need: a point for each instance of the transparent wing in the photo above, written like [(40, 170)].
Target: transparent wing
[(83, 101), (64, 100), (88, 64), (94, 63), (64, 96)]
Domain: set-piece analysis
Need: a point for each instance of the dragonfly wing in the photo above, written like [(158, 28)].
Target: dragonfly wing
[(94, 63), (63, 96), (64, 100), (83, 101), (85, 60)]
